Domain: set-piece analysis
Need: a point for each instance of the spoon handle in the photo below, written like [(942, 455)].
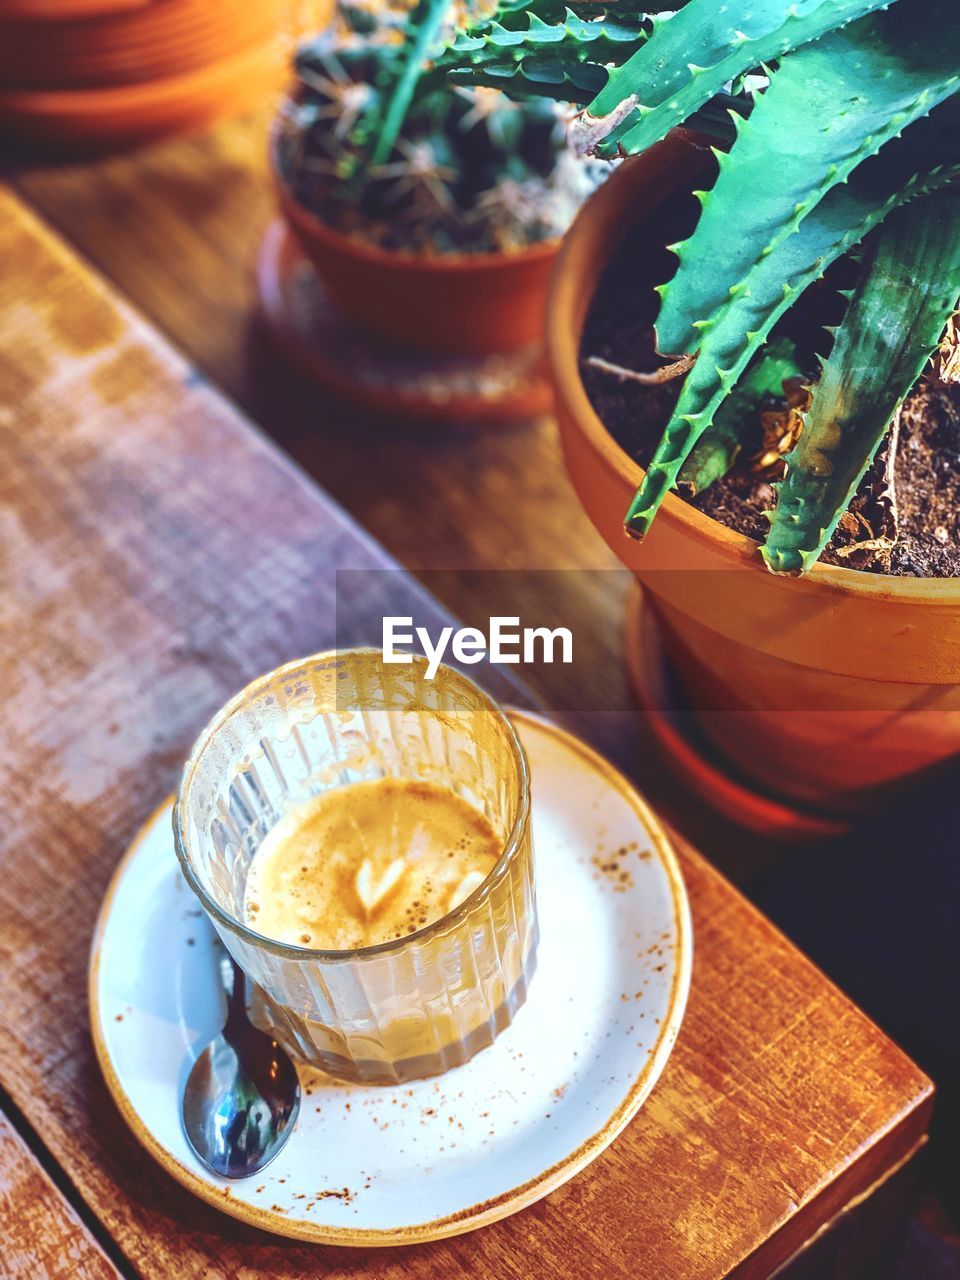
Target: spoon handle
[(235, 988)]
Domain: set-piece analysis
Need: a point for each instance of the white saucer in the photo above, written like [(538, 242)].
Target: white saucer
[(377, 1165)]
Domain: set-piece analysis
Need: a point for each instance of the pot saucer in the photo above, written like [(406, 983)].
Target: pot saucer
[(381, 1165), (377, 375), (689, 755)]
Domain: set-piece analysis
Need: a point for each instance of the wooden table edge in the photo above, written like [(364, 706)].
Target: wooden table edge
[(878, 1163), (851, 1207)]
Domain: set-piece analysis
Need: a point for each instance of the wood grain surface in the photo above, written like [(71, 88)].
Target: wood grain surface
[(40, 1234), (156, 553)]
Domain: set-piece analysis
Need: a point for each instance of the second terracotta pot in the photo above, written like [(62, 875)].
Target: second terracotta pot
[(828, 689), (461, 304)]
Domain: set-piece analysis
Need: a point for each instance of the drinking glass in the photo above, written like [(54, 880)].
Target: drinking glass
[(413, 1006)]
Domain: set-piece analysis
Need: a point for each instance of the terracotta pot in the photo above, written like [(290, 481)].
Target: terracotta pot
[(828, 688), (463, 304), (393, 383)]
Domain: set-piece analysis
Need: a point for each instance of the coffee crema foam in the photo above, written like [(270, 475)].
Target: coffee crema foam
[(366, 863)]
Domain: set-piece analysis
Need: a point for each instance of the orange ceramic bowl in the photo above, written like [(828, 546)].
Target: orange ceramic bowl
[(153, 42), (126, 114), (57, 10)]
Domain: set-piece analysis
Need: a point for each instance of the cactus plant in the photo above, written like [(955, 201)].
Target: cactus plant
[(380, 144), (845, 128)]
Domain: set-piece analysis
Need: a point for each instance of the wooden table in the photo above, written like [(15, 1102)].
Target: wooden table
[(155, 552)]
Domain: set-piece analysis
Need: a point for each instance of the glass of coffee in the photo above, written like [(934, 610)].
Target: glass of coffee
[(360, 837)]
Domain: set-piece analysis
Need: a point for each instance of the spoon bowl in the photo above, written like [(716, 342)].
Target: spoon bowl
[(242, 1096)]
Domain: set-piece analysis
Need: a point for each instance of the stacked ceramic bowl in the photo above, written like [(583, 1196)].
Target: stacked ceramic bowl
[(88, 72)]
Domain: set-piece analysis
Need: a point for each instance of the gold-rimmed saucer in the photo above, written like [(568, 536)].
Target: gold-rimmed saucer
[(382, 1165)]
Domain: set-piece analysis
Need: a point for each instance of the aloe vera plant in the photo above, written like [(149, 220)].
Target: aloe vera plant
[(844, 128)]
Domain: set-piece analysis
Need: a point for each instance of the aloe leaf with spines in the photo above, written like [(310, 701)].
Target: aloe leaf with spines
[(552, 78), (576, 40), (717, 451), (572, 40), (834, 227), (908, 290), (693, 53), (567, 60), (878, 75)]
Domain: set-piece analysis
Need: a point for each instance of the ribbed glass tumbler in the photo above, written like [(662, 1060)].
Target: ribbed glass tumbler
[(416, 1005)]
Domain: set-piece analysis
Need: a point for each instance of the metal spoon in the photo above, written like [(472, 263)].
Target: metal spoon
[(242, 1095)]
